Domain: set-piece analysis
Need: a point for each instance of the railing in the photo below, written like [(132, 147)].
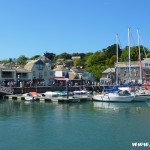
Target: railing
[(6, 90)]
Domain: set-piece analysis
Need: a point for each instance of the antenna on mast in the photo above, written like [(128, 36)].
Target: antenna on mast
[(139, 56), (129, 54), (117, 59)]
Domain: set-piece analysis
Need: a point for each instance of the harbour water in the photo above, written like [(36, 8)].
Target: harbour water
[(76, 126)]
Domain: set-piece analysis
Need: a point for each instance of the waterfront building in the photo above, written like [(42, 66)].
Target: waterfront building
[(108, 76), (40, 72), (83, 74), (128, 73), (138, 72), (10, 73), (61, 75), (146, 67), (76, 75), (60, 72)]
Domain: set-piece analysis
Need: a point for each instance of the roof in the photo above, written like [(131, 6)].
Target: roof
[(126, 64), (146, 60), (105, 79), (62, 79), (109, 70), (73, 75), (30, 65), (77, 69), (59, 68), (20, 69)]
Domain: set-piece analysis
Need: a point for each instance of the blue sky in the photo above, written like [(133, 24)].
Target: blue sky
[(32, 27)]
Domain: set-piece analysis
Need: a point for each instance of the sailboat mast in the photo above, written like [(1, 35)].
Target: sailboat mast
[(117, 59), (139, 56), (129, 54)]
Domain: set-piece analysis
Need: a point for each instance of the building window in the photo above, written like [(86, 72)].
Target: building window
[(146, 64), (136, 73), (40, 66), (40, 75), (64, 74), (45, 74), (51, 73), (124, 72), (34, 73), (146, 71)]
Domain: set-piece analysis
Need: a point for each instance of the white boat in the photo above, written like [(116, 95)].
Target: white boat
[(56, 93), (70, 99), (114, 97), (50, 94), (141, 95), (82, 94), (28, 97), (31, 96)]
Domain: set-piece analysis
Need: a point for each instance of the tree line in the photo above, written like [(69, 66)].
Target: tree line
[(95, 62)]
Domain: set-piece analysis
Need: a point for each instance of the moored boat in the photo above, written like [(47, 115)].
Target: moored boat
[(31, 96), (114, 95), (141, 95), (82, 94)]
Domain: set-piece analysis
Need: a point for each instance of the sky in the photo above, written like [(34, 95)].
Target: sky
[(33, 27)]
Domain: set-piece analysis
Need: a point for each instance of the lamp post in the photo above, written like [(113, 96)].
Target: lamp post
[(67, 82), (110, 77), (18, 79)]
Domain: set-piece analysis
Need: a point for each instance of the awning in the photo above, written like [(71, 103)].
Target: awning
[(8, 70), (61, 79), (105, 79)]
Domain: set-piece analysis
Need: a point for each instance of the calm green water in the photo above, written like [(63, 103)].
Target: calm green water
[(82, 126)]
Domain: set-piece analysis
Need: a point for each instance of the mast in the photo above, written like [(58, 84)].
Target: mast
[(117, 59), (129, 54), (139, 56)]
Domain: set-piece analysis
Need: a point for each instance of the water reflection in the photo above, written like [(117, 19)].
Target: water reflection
[(10, 108), (36, 110), (118, 106)]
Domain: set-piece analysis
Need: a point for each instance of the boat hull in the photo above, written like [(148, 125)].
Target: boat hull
[(29, 98), (114, 98), (141, 98)]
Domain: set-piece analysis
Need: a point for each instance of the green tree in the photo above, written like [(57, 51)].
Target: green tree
[(4, 61), (96, 58), (78, 62), (112, 50), (134, 53), (125, 55), (110, 62), (96, 70), (50, 56), (22, 60), (64, 56)]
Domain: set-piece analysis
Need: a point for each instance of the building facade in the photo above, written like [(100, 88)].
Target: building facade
[(128, 73), (40, 72), (13, 73)]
